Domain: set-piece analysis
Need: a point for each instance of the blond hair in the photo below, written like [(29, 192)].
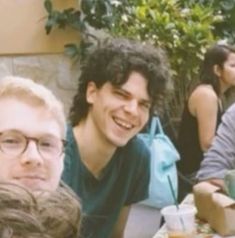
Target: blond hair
[(33, 93)]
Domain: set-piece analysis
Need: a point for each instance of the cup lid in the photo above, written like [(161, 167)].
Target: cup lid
[(183, 209)]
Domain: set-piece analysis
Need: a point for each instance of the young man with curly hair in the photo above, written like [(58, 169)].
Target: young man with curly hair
[(121, 84)]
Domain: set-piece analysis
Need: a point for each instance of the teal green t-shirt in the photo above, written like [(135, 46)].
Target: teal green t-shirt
[(124, 181)]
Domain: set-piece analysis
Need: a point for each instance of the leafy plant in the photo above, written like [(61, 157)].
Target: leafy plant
[(95, 13), (225, 28)]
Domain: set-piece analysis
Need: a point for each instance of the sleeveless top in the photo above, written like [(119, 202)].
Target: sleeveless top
[(188, 143)]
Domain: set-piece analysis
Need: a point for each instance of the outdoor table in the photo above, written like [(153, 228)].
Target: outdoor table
[(203, 228)]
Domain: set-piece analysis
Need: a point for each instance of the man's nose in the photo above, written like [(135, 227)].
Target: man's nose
[(31, 154), (132, 107)]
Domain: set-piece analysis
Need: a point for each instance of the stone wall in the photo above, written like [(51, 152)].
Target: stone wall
[(55, 71)]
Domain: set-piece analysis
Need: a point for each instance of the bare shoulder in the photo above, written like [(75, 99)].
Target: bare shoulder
[(204, 91), (202, 96)]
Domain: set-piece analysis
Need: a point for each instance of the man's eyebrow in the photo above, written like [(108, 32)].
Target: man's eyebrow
[(121, 89)]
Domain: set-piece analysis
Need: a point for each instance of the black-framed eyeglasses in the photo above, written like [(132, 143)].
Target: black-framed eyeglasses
[(14, 143)]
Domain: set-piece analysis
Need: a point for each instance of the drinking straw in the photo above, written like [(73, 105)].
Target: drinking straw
[(175, 200)]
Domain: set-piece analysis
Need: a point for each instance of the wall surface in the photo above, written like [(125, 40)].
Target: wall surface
[(22, 27), (27, 51), (56, 71)]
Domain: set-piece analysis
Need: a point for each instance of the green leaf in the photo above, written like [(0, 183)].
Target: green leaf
[(86, 6), (49, 24), (72, 50), (48, 5)]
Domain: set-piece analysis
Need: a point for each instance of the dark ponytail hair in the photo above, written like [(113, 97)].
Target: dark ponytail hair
[(215, 55)]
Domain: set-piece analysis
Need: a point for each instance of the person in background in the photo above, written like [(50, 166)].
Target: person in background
[(221, 155), (121, 83), (203, 110), (49, 214)]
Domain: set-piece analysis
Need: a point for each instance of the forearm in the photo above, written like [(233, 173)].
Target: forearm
[(217, 182), (221, 155)]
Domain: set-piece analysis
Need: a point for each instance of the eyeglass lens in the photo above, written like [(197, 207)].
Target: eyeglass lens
[(15, 143)]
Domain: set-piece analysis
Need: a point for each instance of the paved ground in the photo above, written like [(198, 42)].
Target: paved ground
[(143, 222)]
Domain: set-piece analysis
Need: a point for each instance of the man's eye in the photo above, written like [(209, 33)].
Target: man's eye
[(11, 141), (146, 105), (46, 143), (120, 94)]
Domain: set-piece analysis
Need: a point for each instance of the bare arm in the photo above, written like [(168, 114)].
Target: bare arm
[(217, 182), (221, 156), (203, 104), (119, 228)]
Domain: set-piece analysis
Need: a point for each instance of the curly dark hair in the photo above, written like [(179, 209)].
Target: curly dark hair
[(113, 61), (215, 55)]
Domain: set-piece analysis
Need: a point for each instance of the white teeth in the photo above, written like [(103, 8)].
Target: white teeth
[(123, 124)]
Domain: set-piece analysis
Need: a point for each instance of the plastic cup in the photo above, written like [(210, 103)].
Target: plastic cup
[(229, 182), (180, 223)]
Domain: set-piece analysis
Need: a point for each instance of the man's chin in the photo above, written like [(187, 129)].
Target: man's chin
[(120, 142), (33, 184)]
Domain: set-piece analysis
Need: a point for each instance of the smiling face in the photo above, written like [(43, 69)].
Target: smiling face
[(119, 112), (29, 169)]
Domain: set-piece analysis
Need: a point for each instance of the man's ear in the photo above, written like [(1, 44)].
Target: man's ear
[(217, 70), (91, 92)]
